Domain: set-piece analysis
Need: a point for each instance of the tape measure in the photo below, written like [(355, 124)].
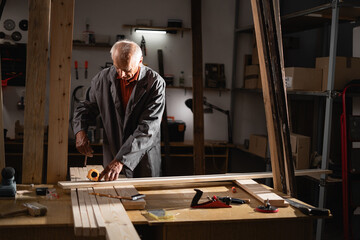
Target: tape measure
[(93, 175)]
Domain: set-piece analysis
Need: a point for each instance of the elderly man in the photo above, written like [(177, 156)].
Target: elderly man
[(130, 99)]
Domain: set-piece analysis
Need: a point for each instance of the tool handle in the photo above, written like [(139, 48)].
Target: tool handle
[(86, 64), (12, 213), (315, 211)]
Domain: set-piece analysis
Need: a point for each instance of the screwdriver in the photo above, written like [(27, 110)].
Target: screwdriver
[(76, 70)]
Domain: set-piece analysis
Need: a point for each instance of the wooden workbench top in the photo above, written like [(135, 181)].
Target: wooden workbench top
[(175, 200)]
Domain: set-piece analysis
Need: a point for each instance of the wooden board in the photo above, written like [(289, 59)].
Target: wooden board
[(34, 113), (261, 193), (154, 181), (75, 205), (118, 224), (127, 191), (62, 17), (268, 40)]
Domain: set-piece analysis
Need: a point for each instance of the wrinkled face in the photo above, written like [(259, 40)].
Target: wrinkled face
[(126, 69)]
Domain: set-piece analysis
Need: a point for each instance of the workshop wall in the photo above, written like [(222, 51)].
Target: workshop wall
[(15, 10), (106, 19)]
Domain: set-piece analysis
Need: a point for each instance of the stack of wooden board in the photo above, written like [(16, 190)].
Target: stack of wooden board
[(99, 216)]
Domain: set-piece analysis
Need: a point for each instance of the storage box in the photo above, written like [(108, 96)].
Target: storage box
[(176, 130), (255, 56), (300, 148), (258, 145), (252, 78), (214, 75), (346, 69), (304, 79)]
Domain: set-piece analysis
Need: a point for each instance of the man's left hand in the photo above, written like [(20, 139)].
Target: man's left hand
[(112, 171)]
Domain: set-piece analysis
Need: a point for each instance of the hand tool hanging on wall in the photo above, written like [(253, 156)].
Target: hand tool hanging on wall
[(143, 45), (76, 70), (2, 5), (86, 69)]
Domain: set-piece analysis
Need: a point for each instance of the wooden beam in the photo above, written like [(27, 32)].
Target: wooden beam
[(156, 181), (268, 38), (34, 115), (199, 155), (62, 17), (2, 144)]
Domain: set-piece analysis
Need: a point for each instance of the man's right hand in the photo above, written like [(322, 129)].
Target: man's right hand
[(83, 144)]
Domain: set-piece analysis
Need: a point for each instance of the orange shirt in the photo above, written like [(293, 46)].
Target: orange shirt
[(126, 88)]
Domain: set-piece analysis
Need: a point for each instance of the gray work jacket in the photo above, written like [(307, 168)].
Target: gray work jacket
[(133, 136)]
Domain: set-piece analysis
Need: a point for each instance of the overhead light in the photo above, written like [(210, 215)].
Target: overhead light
[(139, 30)]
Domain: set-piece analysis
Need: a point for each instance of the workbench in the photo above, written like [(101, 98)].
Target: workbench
[(238, 222)]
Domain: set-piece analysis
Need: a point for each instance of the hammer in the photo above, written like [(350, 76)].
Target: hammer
[(33, 209)]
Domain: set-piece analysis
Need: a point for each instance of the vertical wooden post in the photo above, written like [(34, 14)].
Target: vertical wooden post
[(36, 66), (61, 35), (2, 144), (268, 37), (199, 156)]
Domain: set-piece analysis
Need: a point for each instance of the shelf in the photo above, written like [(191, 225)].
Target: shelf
[(157, 28), (206, 89), (77, 44), (307, 93), (313, 18)]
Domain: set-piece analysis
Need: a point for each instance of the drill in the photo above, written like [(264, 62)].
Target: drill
[(8, 184)]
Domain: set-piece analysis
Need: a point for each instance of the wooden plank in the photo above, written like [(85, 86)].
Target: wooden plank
[(83, 213), (274, 94), (34, 113), (97, 213), (128, 191), (75, 204), (90, 211), (118, 224), (76, 213), (155, 181), (62, 15), (199, 151), (261, 193)]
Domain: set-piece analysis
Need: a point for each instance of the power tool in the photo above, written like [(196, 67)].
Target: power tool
[(8, 184)]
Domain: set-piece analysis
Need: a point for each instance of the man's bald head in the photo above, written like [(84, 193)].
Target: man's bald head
[(126, 51), (127, 58)]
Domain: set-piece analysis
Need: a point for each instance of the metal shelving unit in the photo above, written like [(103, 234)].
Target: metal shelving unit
[(332, 13)]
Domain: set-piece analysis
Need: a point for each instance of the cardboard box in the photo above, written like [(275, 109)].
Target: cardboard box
[(255, 56), (304, 79), (214, 75), (258, 145), (300, 148), (252, 78), (346, 69)]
